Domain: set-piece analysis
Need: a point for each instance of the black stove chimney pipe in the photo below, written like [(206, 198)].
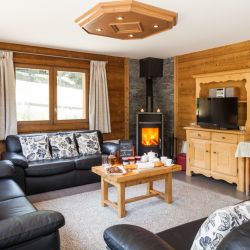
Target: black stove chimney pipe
[(149, 94), (149, 68)]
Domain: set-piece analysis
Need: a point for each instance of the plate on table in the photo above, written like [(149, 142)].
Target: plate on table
[(115, 170)]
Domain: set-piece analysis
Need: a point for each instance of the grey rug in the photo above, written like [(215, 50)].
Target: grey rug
[(86, 219)]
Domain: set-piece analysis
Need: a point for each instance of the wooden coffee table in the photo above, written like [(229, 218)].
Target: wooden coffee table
[(132, 179)]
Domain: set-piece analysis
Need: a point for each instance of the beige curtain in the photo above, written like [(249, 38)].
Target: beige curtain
[(8, 122), (99, 114)]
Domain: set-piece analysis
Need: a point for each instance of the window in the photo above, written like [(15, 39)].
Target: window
[(32, 94), (71, 93), (48, 97)]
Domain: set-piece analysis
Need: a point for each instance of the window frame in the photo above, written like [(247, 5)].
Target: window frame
[(56, 69), (45, 122), (54, 124)]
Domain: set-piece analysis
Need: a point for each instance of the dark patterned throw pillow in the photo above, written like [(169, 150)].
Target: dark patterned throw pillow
[(35, 147), (88, 143), (63, 146)]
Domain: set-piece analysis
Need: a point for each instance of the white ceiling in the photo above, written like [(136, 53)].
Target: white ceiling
[(202, 24)]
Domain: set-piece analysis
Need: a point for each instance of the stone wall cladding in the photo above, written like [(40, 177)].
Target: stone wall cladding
[(163, 88)]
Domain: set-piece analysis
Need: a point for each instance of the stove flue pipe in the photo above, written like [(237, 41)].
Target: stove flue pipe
[(149, 94), (150, 68)]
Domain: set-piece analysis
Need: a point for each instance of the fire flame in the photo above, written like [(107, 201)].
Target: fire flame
[(150, 136)]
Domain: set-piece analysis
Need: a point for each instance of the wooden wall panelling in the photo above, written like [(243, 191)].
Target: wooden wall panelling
[(58, 52), (230, 57), (126, 97), (2, 147), (176, 109), (116, 89), (116, 77)]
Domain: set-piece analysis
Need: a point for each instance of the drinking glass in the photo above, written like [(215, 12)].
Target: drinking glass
[(105, 161)]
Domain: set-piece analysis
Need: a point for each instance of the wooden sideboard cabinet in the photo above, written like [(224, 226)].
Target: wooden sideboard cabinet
[(212, 153)]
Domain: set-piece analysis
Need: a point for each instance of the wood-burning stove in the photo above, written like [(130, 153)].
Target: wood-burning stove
[(149, 133)]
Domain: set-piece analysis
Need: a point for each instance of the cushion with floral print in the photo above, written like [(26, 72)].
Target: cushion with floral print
[(63, 146), (35, 147), (88, 143), (219, 224)]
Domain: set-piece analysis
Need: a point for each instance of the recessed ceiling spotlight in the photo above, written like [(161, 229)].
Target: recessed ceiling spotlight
[(120, 18), (156, 26), (98, 29), (131, 35)]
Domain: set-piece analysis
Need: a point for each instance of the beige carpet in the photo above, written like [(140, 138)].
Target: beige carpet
[(86, 219)]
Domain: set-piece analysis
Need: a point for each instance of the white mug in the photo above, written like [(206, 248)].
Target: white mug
[(163, 159), (168, 162)]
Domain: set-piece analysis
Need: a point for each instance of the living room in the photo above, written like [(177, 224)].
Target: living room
[(124, 124)]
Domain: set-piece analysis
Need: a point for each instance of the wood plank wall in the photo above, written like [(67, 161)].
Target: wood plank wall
[(117, 70), (230, 57)]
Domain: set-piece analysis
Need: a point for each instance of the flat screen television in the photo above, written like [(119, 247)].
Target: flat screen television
[(219, 113)]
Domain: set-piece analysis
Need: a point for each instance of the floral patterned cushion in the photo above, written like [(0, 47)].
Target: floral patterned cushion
[(88, 143), (63, 146), (35, 147), (219, 224)]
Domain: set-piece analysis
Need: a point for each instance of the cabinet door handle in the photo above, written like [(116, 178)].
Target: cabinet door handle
[(214, 152), (207, 151), (199, 134), (223, 137)]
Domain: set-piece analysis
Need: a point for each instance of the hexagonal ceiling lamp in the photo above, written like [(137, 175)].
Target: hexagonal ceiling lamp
[(126, 20)]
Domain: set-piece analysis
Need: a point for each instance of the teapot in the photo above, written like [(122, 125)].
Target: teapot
[(152, 154)]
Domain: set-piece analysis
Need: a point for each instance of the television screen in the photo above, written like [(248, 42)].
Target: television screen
[(218, 112)]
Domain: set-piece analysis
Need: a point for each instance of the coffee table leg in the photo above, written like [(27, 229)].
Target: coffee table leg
[(149, 187), (121, 200), (168, 188), (104, 185)]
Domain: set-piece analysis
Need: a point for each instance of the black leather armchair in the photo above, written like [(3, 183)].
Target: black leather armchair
[(43, 176), (130, 237), (22, 227)]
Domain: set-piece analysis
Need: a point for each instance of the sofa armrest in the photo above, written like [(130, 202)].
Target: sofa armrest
[(17, 159), (6, 169), (110, 147), (238, 238), (125, 237), (18, 229)]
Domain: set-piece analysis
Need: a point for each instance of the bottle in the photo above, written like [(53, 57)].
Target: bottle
[(112, 159)]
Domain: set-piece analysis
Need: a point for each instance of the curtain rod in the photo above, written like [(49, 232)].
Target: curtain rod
[(41, 54)]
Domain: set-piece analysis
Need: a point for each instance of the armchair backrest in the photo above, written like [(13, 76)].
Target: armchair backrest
[(238, 238)]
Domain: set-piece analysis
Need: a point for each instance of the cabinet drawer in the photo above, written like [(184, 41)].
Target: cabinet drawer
[(200, 135), (230, 138)]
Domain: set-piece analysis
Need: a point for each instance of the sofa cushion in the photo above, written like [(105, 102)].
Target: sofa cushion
[(9, 190), (88, 143), (49, 167), (88, 161), (219, 224), (182, 237), (15, 207), (63, 146), (35, 147)]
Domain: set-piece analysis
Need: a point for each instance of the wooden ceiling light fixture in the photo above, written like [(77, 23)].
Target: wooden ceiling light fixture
[(126, 19)]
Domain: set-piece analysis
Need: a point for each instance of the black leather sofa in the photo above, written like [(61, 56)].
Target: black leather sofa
[(47, 175), (22, 227), (130, 237)]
